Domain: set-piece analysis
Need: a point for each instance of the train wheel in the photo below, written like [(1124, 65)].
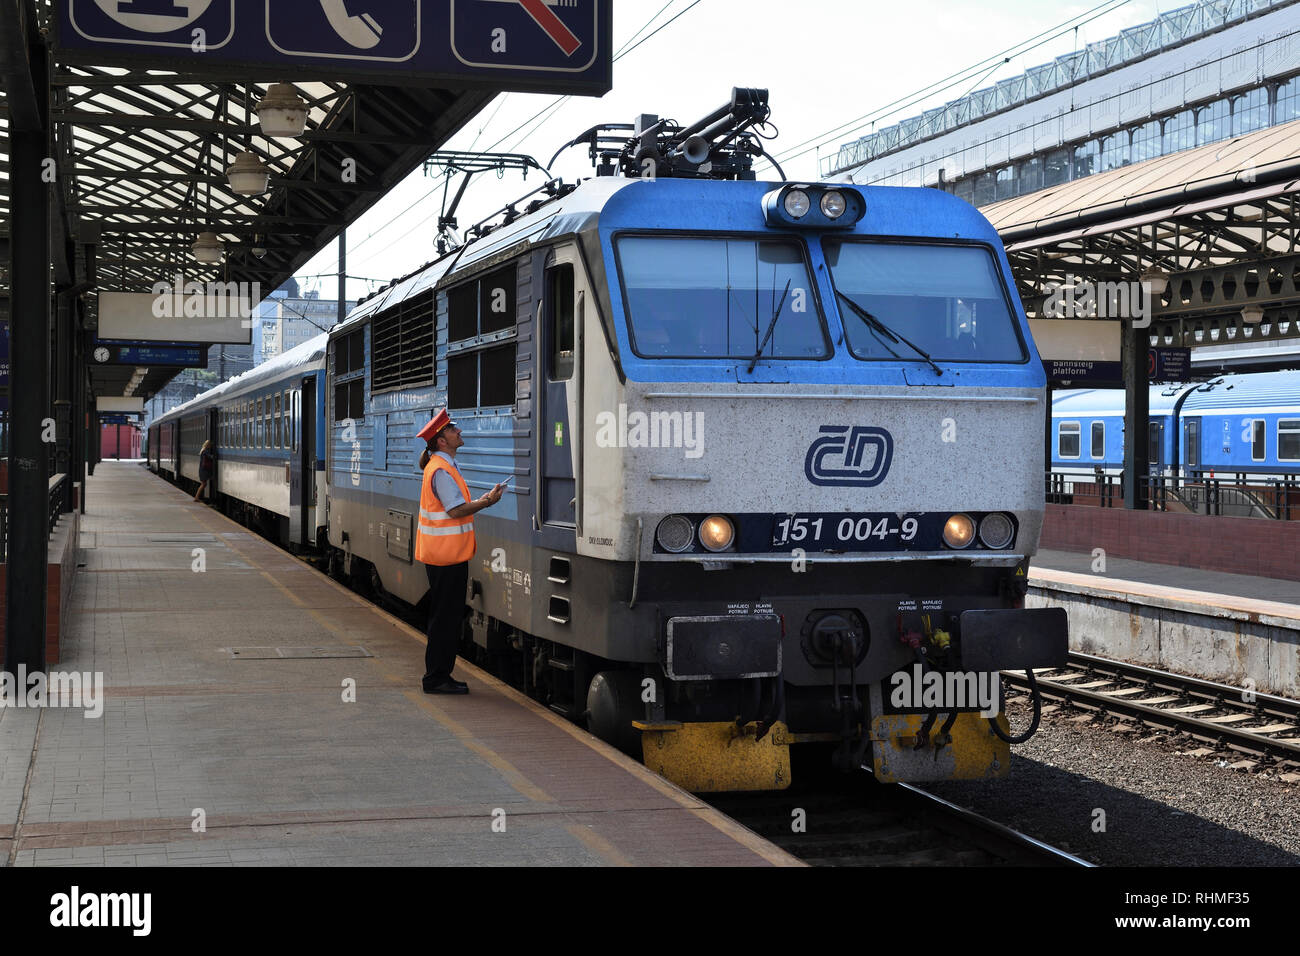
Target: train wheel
[(613, 702)]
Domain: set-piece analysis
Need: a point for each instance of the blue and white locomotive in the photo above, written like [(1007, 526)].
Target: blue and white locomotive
[(775, 448)]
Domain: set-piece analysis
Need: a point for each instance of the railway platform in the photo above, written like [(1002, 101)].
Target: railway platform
[(255, 712), (1233, 628)]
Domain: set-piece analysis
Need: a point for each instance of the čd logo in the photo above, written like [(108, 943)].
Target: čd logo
[(837, 458)]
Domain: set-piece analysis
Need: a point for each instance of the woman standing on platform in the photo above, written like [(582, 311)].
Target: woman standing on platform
[(207, 462)]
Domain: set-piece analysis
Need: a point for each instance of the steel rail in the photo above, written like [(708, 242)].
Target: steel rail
[(1224, 695), (990, 834), (1239, 739)]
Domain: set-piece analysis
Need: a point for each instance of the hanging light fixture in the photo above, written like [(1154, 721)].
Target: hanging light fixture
[(207, 248), (248, 175), (1252, 314), (282, 111), (1157, 279)]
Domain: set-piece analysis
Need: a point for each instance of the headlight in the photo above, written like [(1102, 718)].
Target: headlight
[(796, 203), (675, 533), (833, 205), (996, 531), (958, 531), (717, 533)]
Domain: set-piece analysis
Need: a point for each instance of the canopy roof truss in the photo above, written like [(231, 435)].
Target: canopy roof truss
[(1219, 261)]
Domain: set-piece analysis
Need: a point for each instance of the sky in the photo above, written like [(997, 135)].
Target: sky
[(831, 67)]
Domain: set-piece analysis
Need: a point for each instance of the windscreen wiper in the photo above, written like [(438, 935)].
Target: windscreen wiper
[(771, 326), (882, 329)]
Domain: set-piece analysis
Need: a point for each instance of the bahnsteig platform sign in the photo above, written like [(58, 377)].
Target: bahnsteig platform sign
[(533, 45)]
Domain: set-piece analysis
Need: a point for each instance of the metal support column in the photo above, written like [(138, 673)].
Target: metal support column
[(29, 393), (1047, 438), (1133, 355), (343, 275), (64, 425)]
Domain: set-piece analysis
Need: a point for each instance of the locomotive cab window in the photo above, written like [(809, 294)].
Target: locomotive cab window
[(1068, 440), (720, 298), (1098, 440), (349, 357), (560, 322), (949, 300), (1258, 451), (481, 370)]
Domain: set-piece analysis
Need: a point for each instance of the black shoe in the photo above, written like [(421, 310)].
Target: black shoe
[(448, 686)]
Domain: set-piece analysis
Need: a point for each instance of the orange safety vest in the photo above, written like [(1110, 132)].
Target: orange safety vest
[(443, 540)]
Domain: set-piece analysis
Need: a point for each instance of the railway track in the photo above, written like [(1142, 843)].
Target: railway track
[(863, 823), (1226, 717)]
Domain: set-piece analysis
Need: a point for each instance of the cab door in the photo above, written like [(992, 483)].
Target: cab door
[(302, 464), (559, 367), (214, 436)]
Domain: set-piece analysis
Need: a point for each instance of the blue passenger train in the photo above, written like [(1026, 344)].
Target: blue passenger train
[(1247, 424), (775, 451)]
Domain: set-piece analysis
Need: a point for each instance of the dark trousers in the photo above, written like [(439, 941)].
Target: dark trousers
[(446, 619)]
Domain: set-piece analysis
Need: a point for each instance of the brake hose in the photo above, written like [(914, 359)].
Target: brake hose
[(1037, 701)]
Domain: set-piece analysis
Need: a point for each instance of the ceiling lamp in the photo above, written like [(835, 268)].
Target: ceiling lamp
[(248, 175), (1252, 314), (282, 111), (207, 247), (1156, 279)]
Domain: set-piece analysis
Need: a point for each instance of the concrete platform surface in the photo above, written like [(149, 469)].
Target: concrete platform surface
[(1214, 589), (221, 744)]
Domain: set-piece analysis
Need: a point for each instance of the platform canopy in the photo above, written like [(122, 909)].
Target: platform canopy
[(151, 101), (1219, 222)]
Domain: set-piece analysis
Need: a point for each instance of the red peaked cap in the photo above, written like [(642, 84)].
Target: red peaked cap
[(436, 424)]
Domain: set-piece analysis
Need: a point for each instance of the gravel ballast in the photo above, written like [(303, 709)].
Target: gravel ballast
[(1161, 806)]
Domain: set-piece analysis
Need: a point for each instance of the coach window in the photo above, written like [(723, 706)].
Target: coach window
[(1257, 440), (349, 357), (1098, 439), (1068, 440), (1288, 439), (257, 423), (278, 441), (288, 418), (560, 316), (481, 357), (266, 434)]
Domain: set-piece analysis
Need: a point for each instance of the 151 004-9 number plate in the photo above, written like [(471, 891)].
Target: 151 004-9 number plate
[(837, 531)]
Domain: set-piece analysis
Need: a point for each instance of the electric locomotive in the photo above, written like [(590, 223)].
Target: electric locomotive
[(775, 452)]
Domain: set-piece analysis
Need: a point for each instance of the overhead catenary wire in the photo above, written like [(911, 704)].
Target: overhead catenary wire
[(550, 108)]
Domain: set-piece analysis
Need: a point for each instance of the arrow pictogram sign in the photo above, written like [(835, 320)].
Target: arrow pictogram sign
[(553, 25)]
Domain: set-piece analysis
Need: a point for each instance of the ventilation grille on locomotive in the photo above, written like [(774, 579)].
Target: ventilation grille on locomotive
[(402, 343)]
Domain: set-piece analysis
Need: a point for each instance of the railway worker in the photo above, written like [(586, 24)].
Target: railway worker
[(445, 545), (207, 463)]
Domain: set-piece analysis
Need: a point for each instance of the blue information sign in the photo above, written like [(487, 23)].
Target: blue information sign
[(534, 45), (149, 353), (4, 365)]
